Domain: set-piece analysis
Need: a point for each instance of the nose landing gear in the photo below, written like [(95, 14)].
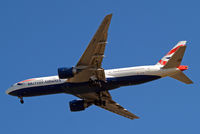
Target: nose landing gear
[(21, 100)]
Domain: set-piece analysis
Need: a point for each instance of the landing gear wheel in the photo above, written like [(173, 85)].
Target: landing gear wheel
[(21, 100)]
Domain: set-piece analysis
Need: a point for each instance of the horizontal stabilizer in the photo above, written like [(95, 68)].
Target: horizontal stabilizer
[(182, 77)]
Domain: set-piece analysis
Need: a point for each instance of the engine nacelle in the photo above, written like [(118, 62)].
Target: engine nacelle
[(65, 72), (77, 105)]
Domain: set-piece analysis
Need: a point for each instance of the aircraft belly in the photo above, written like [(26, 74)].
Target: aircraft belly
[(85, 87), (132, 80), (111, 83)]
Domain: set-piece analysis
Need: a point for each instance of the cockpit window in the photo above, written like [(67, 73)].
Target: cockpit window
[(19, 84)]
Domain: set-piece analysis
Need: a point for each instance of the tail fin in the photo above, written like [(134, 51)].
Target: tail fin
[(174, 57)]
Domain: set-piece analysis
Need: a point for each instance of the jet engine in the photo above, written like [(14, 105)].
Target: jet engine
[(65, 72), (78, 105)]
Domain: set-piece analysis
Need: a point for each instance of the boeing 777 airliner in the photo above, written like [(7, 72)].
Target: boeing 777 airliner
[(91, 83)]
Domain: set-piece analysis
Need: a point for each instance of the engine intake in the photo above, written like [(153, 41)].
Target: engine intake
[(78, 105), (65, 72)]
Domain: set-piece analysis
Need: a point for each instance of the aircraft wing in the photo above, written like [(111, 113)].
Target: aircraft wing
[(110, 105), (91, 60)]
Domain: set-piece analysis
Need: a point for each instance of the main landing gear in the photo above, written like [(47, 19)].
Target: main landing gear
[(95, 83), (21, 100), (100, 102)]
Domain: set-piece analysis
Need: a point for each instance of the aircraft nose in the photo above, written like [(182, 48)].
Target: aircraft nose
[(9, 91)]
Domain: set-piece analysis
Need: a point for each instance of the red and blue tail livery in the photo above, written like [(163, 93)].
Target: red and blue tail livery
[(166, 58), (91, 83)]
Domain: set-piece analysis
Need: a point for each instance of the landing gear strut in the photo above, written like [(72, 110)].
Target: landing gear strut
[(21, 100), (100, 102)]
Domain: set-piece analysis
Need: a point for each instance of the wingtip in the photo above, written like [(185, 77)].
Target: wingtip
[(136, 117), (109, 15), (191, 82)]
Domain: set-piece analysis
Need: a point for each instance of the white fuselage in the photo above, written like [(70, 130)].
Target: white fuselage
[(132, 72)]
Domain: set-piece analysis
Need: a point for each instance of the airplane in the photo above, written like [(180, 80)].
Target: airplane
[(88, 81)]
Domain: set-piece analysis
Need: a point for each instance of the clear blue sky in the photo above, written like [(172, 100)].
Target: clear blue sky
[(37, 37)]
